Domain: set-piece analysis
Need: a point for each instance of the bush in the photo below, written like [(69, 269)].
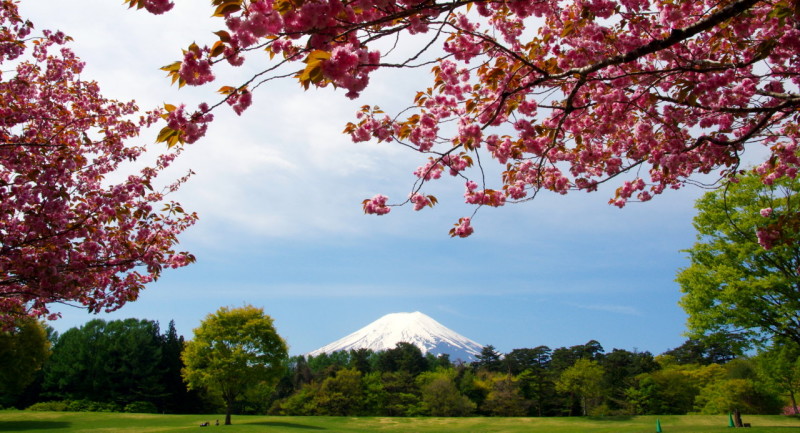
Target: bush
[(141, 407), (789, 410), (74, 406), (92, 406), (49, 406)]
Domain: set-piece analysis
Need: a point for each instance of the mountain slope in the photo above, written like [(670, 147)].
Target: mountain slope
[(415, 328)]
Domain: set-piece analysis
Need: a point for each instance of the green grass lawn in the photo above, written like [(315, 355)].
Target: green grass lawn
[(58, 422)]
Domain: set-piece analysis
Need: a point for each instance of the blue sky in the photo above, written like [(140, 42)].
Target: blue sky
[(278, 192)]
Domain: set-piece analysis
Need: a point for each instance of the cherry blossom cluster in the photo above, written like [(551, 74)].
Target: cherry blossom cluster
[(191, 126), (68, 232), (463, 228), (195, 67), (565, 95), (376, 205), (420, 201), (156, 7)]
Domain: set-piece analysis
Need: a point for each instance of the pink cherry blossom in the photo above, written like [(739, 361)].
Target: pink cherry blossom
[(158, 7), (543, 95), (376, 205), (74, 227), (463, 228), (419, 201)]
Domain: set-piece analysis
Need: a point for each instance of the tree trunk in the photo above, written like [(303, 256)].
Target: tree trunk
[(228, 408), (583, 403), (737, 418)]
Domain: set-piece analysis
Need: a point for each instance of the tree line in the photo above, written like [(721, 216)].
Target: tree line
[(131, 365), (118, 365), (699, 376)]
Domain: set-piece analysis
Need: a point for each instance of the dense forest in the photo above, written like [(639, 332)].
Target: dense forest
[(130, 365)]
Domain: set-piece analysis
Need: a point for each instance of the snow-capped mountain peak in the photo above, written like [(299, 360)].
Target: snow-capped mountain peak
[(415, 328)]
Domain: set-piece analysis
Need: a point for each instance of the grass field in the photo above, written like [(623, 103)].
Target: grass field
[(58, 422)]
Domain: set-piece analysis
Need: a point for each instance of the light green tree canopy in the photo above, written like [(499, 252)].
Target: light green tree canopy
[(733, 283), (583, 379), (780, 365), (440, 396), (232, 350)]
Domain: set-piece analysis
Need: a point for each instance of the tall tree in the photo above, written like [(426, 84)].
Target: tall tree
[(403, 357), (717, 348), (340, 395), (536, 381), (488, 359), (562, 95), (504, 398), (621, 369), (401, 396), (23, 350), (519, 360), (360, 359), (118, 361), (70, 232), (176, 397), (583, 380), (733, 284), (233, 349), (441, 397), (564, 357)]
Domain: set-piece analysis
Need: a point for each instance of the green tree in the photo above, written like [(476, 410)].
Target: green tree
[(23, 349), (403, 357), (780, 365), (297, 404), (488, 359), (505, 398), (402, 394), (361, 359), (118, 362), (327, 364), (470, 385), (584, 380), (535, 381), (622, 367), (340, 395), (374, 394), (728, 395), (565, 357), (734, 284), (441, 397), (740, 389), (717, 348), (232, 350), (519, 360), (301, 372), (673, 388)]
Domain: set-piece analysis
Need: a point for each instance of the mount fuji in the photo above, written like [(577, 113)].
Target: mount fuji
[(415, 328)]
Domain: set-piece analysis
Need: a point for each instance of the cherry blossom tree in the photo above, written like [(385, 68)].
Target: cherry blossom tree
[(76, 226), (561, 95)]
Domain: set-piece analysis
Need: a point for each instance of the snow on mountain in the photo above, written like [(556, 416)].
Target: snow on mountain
[(415, 328)]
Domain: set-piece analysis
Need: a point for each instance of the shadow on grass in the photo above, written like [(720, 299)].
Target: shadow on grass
[(287, 424), (33, 425)]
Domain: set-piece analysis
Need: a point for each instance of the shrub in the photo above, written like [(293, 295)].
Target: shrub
[(49, 406), (141, 407), (91, 406), (789, 410)]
